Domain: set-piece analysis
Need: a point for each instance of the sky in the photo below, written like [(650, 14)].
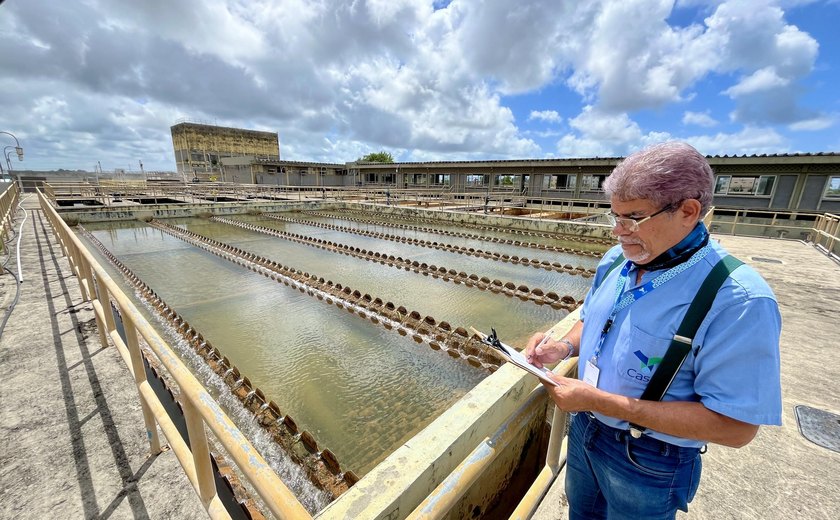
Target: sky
[(87, 82)]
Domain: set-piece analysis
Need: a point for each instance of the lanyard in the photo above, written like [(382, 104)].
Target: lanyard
[(625, 299)]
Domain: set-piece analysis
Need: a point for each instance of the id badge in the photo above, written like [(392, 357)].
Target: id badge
[(591, 373)]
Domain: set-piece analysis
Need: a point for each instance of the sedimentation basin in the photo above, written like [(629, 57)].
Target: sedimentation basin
[(359, 388)]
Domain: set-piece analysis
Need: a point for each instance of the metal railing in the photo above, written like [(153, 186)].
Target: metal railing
[(827, 233), (767, 223), (201, 411), (8, 201)]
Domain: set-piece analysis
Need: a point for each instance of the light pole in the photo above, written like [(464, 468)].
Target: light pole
[(17, 148), (6, 153)]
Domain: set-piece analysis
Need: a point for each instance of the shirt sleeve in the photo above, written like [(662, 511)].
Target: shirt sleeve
[(737, 366)]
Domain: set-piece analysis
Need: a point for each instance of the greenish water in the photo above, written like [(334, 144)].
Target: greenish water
[(520, 251), (561, 283), (361, 389), (346, 220)]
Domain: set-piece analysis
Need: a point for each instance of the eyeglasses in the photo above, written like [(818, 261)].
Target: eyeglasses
[(632, 224)]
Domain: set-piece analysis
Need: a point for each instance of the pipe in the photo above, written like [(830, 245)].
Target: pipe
[(20, 234)]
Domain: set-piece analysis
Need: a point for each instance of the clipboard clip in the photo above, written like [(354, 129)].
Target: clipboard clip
[(493, 340)]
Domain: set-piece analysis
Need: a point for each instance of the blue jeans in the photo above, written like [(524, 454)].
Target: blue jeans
[(609, 474)]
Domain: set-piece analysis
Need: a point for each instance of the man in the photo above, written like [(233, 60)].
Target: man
[(726, 387)]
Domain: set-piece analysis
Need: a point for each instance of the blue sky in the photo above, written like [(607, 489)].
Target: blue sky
[(103, 80)]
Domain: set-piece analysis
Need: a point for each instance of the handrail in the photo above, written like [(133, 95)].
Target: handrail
[(200, 409), (8, 201), (452, 488)]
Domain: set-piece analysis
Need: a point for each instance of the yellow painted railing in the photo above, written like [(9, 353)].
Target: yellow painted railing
[(827, 233), (8, 201), (201, 411), (450, 491)]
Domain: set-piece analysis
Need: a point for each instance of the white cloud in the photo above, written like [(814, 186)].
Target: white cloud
[(773, 57), (749, 141), (655, 63), (337, 78), (214, 27), (647, 66), (549, 116), (699, 119), (817, 123), (603, 134), (761, 80)]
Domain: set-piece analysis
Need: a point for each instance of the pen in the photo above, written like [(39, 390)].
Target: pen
[(541, 343)]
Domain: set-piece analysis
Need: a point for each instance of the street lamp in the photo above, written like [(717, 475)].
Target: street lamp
[(18, 149), (6, 151)]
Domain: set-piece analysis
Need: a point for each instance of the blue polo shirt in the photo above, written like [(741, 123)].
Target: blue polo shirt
[(733, 368)]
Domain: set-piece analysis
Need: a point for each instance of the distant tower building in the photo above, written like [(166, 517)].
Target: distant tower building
[(218, 153)]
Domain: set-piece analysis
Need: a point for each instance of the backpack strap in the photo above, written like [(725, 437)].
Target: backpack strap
[(680, 346), (617, 262)]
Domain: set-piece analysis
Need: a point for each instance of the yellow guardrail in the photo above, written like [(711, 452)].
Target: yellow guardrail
[(827, 233), (469, 472), (8, 201), (200, 409)]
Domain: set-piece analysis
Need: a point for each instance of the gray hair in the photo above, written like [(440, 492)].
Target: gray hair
[(665, 174)]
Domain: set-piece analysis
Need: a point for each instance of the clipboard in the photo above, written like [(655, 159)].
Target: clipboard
[(511, 355)]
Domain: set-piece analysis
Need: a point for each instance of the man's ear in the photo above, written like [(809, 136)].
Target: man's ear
[(690, 210)]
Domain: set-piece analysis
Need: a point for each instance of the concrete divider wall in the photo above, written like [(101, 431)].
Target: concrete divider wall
[(161, 211), (121, 213), (453, 217)]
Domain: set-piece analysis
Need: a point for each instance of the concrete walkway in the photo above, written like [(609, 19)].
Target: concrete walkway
[(780, 474), (73, 440)]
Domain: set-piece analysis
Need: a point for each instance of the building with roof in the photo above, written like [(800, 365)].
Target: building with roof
[(806, 182), (778, 182)]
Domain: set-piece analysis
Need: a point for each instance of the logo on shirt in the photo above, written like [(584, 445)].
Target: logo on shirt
[(647, 363)]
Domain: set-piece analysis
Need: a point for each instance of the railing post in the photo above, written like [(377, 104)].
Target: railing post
[(85, 278), (555, 440), (200, 451), (139, 369), (75, 258), (102, 298), (105, 301)]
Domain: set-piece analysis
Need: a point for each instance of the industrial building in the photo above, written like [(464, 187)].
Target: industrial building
[(217, 153), (807, 182)]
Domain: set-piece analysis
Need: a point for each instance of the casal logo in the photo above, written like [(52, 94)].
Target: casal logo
[(647, 363)]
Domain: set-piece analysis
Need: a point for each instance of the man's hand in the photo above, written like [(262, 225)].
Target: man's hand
[(539, 354), (686, 419), (572, 395)]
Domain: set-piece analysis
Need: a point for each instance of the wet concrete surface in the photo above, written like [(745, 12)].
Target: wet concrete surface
[(780, 474), (74, 444)]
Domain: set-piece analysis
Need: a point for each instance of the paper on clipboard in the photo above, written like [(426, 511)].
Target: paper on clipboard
[(511, 355)]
